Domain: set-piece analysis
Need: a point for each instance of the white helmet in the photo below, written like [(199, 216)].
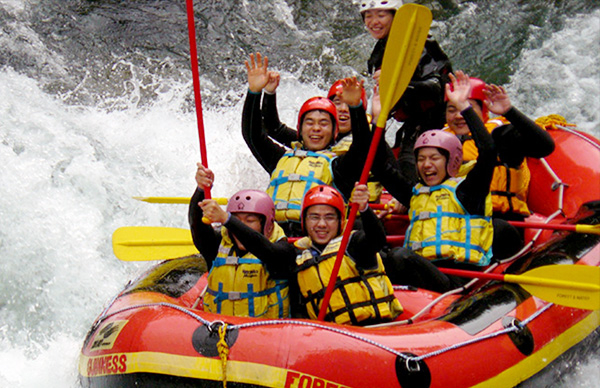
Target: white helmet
[(366, 5)]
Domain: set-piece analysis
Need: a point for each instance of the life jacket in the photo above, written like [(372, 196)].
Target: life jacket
[(297, 172), (359, 295), (375, 188), (510, 186), (441, 229), (242, 286)]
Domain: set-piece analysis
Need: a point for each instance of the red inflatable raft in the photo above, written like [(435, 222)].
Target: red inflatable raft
[(491, 334)]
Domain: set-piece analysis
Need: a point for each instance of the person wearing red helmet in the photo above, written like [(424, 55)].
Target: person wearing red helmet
[(363, 293), (239, 283), (450, 215), (310, 161), (515, 136)]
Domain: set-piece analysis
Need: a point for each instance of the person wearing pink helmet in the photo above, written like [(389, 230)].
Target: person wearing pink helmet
[(311, 160), (442, 206), (363, 293), (239, 283)]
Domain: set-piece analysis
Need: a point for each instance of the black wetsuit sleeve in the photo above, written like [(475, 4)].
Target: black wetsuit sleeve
[(366, 242), (266, 152), (391, 175), (274, 127), (205, 237), (278, 257), (521, 138), (473, 191), (348, 167)]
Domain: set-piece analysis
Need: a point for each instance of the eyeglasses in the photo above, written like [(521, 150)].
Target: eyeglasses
[(329, 218)]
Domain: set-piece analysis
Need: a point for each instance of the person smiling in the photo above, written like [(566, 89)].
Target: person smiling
[(363, 293), (450, 216), (311, 160)]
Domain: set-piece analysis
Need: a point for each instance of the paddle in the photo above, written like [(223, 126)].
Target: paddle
[(575, 286), (146, 243), (176, 200), (577, 228), (402, 53), (196, 82)]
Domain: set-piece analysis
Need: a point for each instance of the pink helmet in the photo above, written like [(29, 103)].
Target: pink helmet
[(337, 88), (319, 103), (254, 201), (477, 88), (446, 141)]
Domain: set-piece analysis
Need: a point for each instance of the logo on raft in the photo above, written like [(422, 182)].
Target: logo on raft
[(107, 365), (299, 380)]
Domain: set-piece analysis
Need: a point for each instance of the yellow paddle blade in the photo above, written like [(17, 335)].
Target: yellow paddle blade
[(141, 243), (591, 229), (402, 53), (575, 286), (183, 200)]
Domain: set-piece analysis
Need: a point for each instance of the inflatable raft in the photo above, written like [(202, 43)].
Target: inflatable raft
[(490, 334)]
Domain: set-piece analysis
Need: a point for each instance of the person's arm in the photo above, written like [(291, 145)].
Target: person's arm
[(522, 137), (273, 126), (262, 147), (472, 192), (366, 242), (205, 238), (278, 257)]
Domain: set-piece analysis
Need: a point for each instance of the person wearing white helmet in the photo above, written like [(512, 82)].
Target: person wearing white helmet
[(422, 105), (442, 204)]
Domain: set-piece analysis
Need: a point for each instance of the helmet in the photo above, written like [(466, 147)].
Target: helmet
[(366, 5), (337, 88), (318, 103), (477, 88), (254, 201), (324, 195), (444, 140)]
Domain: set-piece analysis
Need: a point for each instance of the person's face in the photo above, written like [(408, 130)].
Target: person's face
[(252, 221), (317, 130), (343, 115), (455, 120), (322, 223), (431, 165), (378, 22)]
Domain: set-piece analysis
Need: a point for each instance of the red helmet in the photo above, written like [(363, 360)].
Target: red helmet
[(254, 201), (318, 103), (324, 195), (337, 88), (477, 88), (446, 141)]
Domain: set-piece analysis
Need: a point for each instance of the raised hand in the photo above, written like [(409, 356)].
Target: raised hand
[(351, 91), (459, 97), (273, 82), (258, 75), (204, 177), (498, 101), (360, 196)]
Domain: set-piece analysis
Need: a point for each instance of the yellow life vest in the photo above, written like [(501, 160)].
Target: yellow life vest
[(359, 294), (242, 286), (440, 228), (297, 172), (375, 188), (510, 186)]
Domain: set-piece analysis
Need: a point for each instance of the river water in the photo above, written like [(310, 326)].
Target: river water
[(96, 106)]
